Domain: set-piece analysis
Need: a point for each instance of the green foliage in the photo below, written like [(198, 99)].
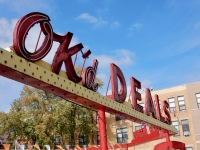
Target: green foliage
[(39, 117), (97, 80)]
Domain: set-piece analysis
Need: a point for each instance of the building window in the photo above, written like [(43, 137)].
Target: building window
[(57, 139), (188, 148), (175, 124), (198, 99), (83, 117), (185, 127), (118, 118), (172, 104), (98, 138), (138, 127), (181, 103), (122, 135), (81, 140)]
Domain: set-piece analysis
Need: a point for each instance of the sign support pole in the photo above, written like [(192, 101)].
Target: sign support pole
[(167, 136), (102, 128)]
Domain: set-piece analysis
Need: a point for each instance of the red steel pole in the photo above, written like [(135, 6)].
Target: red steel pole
[(102, 128), (167, 136), (126, 146)]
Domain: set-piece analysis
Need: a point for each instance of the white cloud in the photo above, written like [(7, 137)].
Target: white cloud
[(146, 83), (115, 24), (22, 6), (6, 32), (88, 18), (135, 26), (91, 19), (119, 57)]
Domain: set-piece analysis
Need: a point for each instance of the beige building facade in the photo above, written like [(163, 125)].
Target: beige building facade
[(184, 100)]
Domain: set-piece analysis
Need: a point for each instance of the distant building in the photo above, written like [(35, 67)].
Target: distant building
[(184, 100)]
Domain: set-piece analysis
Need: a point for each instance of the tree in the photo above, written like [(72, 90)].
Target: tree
[(39, 117)]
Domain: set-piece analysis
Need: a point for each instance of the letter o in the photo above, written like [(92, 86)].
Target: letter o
[(21, 30)]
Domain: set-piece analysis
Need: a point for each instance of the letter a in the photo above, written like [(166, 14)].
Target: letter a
[(149, 106)]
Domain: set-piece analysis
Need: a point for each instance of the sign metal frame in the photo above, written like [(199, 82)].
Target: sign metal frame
[(39, 75)]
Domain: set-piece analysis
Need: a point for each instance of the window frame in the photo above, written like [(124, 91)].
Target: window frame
[(98, 138), (124, 135), (83, 138), (139, 127), (188, 147), (171, 108), (185, 127), (198, 103), (177, 127), (181, 101), (118, 118)]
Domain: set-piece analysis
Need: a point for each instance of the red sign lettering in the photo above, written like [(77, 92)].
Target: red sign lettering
[(158, 113), (165, 105), (121, 95), (21, 30), (89, 75), (135, 85), (64, 55)]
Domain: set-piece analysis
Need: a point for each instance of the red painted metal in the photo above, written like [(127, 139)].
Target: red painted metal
[(165, 105), (140, 136), (135, 85), (85, 56), (108, 86), (38, 40), (140, 133), (167, 136), (102, 128), (63, 54), (115, 74), (89, 75), (21, 30), (149, 105), (170, 145)]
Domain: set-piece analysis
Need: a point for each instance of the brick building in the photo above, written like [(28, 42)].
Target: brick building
[(184, 100)]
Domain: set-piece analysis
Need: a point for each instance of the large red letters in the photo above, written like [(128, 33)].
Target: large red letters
[(89, 75), (149, 105), (167, 117), (135, 85), (115, 74), (21, 30), (64, 54)]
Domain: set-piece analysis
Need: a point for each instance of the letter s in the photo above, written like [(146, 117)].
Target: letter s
[(165, 105)]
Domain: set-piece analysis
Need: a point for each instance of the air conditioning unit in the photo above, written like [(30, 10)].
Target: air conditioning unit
[(186, 133)]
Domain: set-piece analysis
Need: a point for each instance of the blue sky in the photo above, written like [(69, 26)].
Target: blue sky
[(156, 42)]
